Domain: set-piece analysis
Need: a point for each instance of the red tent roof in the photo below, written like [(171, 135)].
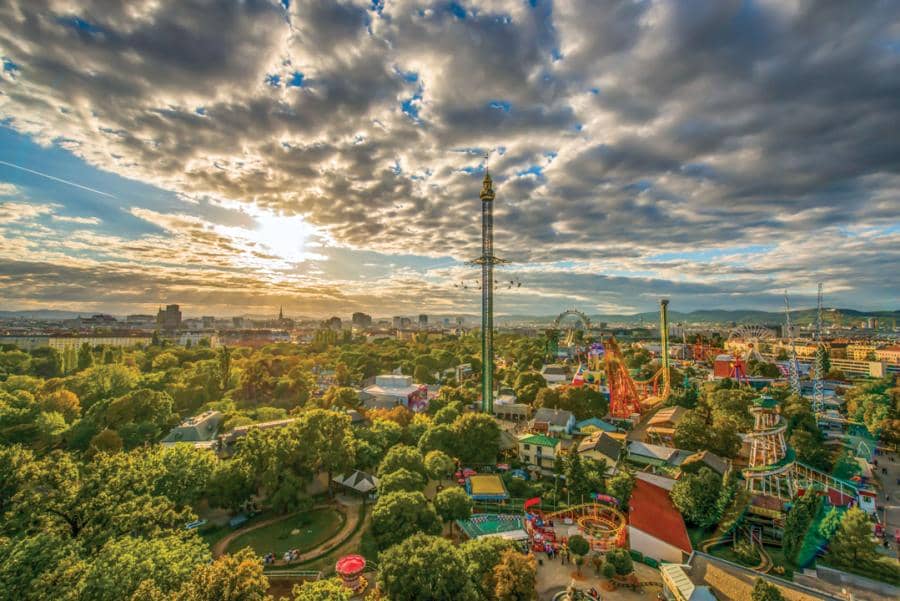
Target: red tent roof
[(652, 511)]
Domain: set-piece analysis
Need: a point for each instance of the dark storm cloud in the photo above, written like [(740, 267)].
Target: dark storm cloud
[(620, 129)]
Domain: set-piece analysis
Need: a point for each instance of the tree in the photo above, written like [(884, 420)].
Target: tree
[(440, 437), (399, 515), (583, 475), (579, 547), (515, 576), (438, 465), (327, 441), (620, 560), (186, 473), (164, 361), (478, 438), (763, 591), (620, 486), (224, 368), (64, 402), (401, 480), (45, 363), (797, 522), (231, 484), (547, 397), (140, 416), (448, 414), (831, 523), (331, 589), (342, 374), (402, 456), (340, 397), (696, 496), (423, 375), (481, 555), (453, 504), (14, 461), (85, 356), (810, 448), (425, 568), (106, 441), (853, 544), (527, 385), (123, 563), (231, 577)]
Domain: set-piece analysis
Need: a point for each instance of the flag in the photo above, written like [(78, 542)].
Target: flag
[(531, 503)]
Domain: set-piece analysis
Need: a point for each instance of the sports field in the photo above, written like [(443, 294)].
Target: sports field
[(483, 524)]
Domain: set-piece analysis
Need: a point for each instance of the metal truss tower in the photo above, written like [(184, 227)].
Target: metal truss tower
[(793, 372), (487, 260), (818, 376)]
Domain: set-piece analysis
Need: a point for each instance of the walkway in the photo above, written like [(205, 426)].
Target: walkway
[(350, 508)]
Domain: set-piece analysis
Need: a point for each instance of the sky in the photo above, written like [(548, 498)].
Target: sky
[(326, 155)]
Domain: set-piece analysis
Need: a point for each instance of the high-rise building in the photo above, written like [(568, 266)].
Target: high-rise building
[(334, 323), (169, 318), (362, 320), (423, 321), (397, 321), (405, 323)]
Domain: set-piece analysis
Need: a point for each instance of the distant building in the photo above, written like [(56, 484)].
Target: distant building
[(555, 374), (392, 390), (423, 321), (362, 320), (199, 430), (61, 343), (208, 322), (194, 338), (396, 321), (538, 450), (237, 322), (139, 320), (405, 323), (334, 323), (890, 354), (556, 422), (25, 343), (169, 318)]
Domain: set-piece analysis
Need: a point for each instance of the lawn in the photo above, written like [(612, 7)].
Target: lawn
[(313, 528)]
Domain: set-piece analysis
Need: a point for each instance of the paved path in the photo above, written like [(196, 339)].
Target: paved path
[(350, 509)]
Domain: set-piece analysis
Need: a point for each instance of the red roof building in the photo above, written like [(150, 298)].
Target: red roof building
[(655, 526)]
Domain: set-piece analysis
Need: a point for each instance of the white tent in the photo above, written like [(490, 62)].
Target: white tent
[(358, 481)]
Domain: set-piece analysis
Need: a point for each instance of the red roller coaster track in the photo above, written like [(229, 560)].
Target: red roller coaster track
[(624, 399)]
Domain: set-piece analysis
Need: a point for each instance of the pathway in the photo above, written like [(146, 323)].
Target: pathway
[(350, 510)]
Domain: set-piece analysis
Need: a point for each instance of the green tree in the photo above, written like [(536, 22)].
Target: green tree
[(224, 368), (85, 356), (440, 437), (478, 438), (106, 441), (140, 416), (527, 385), (401, 480), (123, 563), (15, 461), (164, 361), (621, 560), (453, 504), (696, 496), (438, 465), (402, 456), (763, 591), (423, 375), (448, 414), (831, 523), (853, 545), (797, 522), (516, 576), (399, 515), (340, 397), (331, 589), (231, 484), (579, 547), (235, 577), (620, 486), (425, 568), (45, 363), (186, 473), (64, 402), (327, 439), (481, 555)]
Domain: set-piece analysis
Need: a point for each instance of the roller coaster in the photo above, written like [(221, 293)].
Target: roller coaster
[(601, 524), (628, 396)]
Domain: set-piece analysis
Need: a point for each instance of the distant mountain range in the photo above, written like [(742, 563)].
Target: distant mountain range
[(738, 316)]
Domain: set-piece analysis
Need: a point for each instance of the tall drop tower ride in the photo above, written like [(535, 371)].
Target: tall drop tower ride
[(487, 260)]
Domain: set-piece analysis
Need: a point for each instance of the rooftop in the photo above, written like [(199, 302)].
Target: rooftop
[(652, 511), (555, 417), (539, 439)]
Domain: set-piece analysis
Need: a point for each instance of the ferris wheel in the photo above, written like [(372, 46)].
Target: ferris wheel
[(748, 339)]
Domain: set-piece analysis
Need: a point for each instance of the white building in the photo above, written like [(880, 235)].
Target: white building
[(393, 390)]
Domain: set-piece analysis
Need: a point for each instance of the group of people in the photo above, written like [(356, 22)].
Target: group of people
[(289, 555)]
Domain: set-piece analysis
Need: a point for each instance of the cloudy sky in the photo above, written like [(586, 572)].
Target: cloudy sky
[(326, 155)]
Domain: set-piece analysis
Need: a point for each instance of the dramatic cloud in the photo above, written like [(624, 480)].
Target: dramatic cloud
[(327, 154)]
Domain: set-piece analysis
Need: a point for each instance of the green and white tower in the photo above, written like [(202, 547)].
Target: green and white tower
[(487, 260)]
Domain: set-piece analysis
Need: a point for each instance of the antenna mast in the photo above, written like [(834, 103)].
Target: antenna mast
[(793, 373)]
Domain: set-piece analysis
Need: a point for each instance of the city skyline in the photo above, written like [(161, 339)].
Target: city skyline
[(327, 156)]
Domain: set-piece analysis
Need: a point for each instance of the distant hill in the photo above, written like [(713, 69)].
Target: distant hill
[(738, 316), (44, 314)]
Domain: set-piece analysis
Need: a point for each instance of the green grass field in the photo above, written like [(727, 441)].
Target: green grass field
[(315, 527)]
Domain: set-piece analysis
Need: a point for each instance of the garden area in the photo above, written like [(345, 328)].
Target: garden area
[(303, 531)]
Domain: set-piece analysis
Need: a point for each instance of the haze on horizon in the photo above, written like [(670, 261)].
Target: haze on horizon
[(326, 156)]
